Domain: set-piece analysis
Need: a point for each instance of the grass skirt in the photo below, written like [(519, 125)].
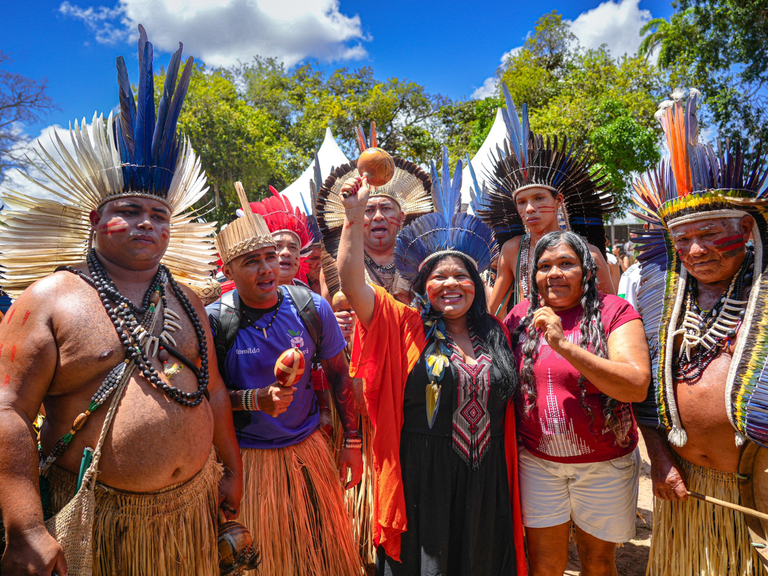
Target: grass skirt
[(293, 505), (696, 538), (170, 532)]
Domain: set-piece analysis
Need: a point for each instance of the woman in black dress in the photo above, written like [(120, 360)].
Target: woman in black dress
[(438, 379)]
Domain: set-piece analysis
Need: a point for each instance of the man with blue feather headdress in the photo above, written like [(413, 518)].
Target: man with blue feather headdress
[(116, 347)]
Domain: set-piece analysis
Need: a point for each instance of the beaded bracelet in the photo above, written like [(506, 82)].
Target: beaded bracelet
[(249, 401), (353, 443)]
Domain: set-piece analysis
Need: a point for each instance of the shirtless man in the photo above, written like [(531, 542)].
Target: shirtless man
[(68, 334), (538, 207), (709, 446), (60, 344), (696, 298)]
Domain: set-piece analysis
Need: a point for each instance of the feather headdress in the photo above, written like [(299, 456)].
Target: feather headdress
[(314, 189), (410, 187), (530, 160), (280, 216), (446, 231), (698, 182), (244, 234), (134, 154)]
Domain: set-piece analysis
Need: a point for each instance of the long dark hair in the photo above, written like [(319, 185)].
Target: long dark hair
[(483, 324), (592, 334)]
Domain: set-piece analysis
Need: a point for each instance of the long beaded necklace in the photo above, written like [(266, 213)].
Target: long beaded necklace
[(707, 333)]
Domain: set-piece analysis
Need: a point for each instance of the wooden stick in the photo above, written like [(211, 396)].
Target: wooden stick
[(731, 505)]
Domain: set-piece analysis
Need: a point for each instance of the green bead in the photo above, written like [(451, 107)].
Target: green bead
[(92, 406), (67, 438)]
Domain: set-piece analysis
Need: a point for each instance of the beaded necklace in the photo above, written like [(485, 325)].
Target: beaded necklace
[(133, 333), (707, 333)]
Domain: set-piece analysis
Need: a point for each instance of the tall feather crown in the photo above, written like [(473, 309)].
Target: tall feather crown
[(446, 231), (530, 160), (696, 182), (136, 154), (410, 187), (280, 216)]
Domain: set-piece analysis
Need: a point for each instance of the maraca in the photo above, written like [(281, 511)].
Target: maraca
[(340, 302), (376, 165), (289, 367), (236, 550)]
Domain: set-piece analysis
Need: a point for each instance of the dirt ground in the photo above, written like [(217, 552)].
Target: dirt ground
[(632, 557)]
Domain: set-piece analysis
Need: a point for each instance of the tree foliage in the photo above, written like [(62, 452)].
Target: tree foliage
[(721, 48), (589, 97), (305, 101), (22, 101), (235, 141)]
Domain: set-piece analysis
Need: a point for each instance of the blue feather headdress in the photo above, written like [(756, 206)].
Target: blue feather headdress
[(529, 160), (446, 231), (134, 154)]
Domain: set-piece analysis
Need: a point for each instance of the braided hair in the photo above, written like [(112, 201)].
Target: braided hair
[(592, 336)]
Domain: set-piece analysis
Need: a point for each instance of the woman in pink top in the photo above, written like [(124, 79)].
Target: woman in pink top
[(583, 358)]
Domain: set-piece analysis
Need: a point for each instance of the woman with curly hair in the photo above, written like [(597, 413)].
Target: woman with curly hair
[(583, 358)]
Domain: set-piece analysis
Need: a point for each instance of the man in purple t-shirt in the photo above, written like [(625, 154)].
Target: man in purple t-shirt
[(292, 503)]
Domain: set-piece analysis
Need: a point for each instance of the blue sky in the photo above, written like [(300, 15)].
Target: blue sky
[(450, 47)]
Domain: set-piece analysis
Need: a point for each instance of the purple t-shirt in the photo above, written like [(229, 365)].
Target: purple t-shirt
[(251, 360)]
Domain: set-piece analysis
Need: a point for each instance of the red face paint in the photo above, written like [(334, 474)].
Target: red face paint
[(10, 316), (730, 243), (349, 224), (165, 235), (7, 379), (26, 315), (468, 286), (393, 221), (13, 352), (113, 227)]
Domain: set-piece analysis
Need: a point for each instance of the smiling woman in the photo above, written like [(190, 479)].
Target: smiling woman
[(577, 346), (447, 359)]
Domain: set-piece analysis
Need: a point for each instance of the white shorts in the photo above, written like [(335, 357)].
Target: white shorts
[(600, 497)]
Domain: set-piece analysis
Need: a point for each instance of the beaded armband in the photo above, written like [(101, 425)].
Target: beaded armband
[(352, 440)]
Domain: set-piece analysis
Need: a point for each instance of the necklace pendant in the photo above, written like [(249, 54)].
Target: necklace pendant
[(264, 330)]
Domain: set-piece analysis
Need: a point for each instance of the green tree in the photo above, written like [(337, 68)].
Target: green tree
[(304, 101), (589, 97), (721, 48), (234, 140)]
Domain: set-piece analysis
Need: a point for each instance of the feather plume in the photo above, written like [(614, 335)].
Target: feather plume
[(447, 229), (361, 143)]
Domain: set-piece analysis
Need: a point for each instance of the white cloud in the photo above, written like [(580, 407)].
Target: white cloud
[(17, 182), (487, 89), (225, 32), (615, 24), (490, 84)]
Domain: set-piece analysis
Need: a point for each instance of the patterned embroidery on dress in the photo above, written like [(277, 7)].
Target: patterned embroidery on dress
[(471, 419), (558, 436)]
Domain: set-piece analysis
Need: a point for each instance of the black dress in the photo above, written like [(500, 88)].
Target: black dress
[(454, 477)]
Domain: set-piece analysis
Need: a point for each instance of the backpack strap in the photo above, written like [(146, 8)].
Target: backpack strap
[(229, 324), (305, 304)]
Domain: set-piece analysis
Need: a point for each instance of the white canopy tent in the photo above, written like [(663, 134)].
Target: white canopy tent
[(482, 162), (329, 156)]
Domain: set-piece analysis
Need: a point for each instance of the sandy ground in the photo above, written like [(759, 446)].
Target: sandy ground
[(632, 557)]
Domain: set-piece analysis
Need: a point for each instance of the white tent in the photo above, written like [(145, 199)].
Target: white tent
[(482, 162), (329, 156)]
